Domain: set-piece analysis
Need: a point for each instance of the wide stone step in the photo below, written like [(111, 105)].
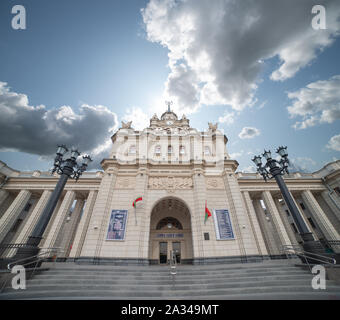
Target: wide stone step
[(169, 280), (184, 268), (170, 294), (178, 277), (179, 271), (255, 296), (133, 287)]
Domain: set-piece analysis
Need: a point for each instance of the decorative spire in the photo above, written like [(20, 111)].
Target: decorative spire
[(168, 103)]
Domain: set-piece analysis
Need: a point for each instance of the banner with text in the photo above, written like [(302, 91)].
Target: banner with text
[(117, 225), (224, 229)]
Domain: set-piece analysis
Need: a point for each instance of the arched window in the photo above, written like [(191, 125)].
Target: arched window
[(169, 223), (169, 149), (181, 150), (206, 151)]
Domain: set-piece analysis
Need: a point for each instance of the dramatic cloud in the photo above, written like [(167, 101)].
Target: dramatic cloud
[(334, 143), (249, 133), (302, 164), (140, 120), (318, 102), (37, 130), (217, 48)]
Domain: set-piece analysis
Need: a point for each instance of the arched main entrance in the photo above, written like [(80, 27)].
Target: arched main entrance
[(170, 229)]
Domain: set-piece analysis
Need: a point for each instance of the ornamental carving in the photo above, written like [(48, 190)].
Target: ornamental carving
[(125, 183), (170, 183), (214, 183)]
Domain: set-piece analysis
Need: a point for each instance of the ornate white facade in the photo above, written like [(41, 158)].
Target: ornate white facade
[(177, 170)]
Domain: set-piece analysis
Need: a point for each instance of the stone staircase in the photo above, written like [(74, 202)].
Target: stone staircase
[(278, 279)]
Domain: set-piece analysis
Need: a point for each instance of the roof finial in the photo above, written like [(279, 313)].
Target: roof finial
[(168, 103)]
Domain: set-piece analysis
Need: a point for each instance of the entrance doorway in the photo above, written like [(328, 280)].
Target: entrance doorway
[(165, 249), (163, 252), (170, 230), (176, 247)]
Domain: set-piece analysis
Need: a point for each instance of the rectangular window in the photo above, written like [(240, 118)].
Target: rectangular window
[(287, 212), (302, 206), (16, 225), (294, 228), (28, 207), (312, 223), (337, 190), (206, 236)]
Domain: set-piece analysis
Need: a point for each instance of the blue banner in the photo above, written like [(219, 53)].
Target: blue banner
[(117, 225), (224, 229)]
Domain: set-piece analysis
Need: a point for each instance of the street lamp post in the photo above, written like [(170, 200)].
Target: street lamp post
[(67, 168), (276, 170)]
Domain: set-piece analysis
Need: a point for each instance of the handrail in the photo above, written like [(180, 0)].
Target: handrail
[(293, 247), (39, 257), (296, 250), (48, 250)]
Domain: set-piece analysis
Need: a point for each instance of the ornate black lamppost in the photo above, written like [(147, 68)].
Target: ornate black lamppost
[(67, 168), (276, 169)]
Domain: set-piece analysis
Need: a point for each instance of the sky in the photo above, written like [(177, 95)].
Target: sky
[(268, 72)]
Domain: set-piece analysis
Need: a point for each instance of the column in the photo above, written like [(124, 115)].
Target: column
[(66, 235), (271, 207), (13, 212), (333, 202), (83, 225), (319, 216), (3, 196), (266, 227), (59, 219), (292, 235), (32, 220), (255, 224)]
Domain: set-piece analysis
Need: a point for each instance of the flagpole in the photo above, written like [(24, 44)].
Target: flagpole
[(135, 214)]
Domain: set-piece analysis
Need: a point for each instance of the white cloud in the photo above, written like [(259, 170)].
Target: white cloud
[(217, 48), (334, 143), (227, 118), (140, 120), (249, 169), (249, 133), (302, 164), (235, 155), (318, 102), (37, 130)]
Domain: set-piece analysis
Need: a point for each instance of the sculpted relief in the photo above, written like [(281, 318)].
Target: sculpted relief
[(170, 183), (214, 183)]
